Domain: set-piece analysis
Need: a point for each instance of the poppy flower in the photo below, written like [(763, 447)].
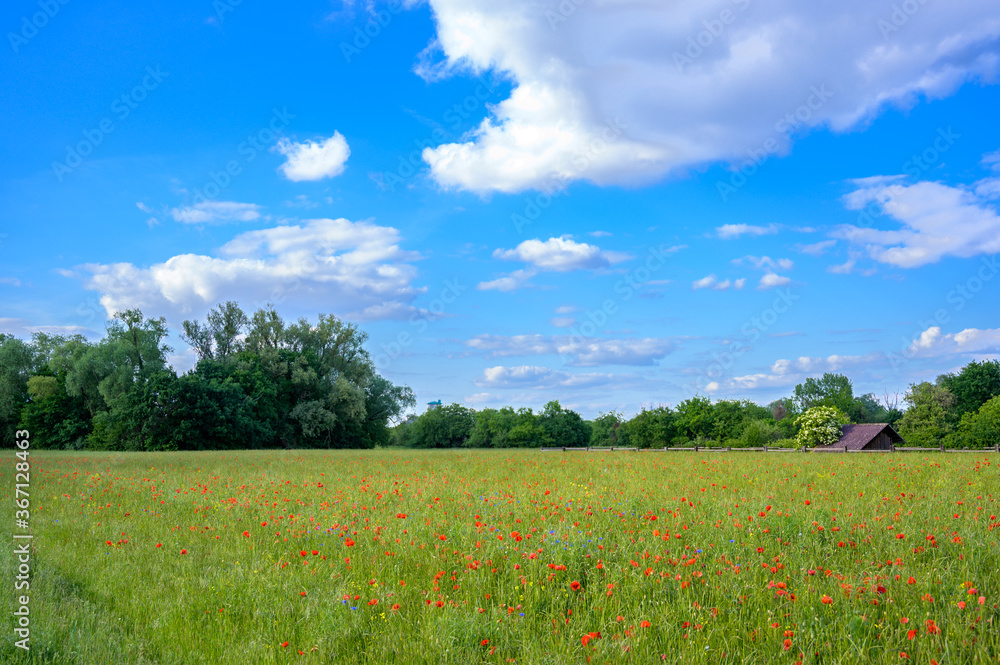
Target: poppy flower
[(645, 624), (184, 551), (826, 600), (574, 585), (246, 534)]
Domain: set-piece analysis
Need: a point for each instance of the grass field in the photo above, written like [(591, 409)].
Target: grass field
[(500, 556)]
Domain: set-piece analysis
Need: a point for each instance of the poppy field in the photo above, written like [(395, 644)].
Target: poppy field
[(461, 556)]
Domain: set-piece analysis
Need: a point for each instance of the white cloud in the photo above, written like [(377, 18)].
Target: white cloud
[(771, 280), (510, 282), (562, 321), (679, 104), (765, 262), (24, 329), (575, 349), (974, 341), (314, 160), (816, 248), (712, 282), (12, 281), (935, 221), (561, 254), (214, 212), (729, 231), (351, 269), (532, 376)]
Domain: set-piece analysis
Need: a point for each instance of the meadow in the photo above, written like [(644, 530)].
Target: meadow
[(465, 556)]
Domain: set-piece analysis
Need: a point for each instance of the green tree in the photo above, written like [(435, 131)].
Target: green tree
[(976, 384), (608, 430), (563, 427), (829, 390), (695, 418), (759, 432), (982, 428), (447, 426), (18, 362), (930, 418), (652, 428)]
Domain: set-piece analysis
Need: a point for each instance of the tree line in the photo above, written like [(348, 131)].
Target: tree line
[(260, 382), (958, 410), (263, 382)]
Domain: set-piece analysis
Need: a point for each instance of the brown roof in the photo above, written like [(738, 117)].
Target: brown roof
[(856, 437)]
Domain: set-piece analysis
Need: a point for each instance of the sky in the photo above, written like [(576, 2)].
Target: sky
[(612, 203)]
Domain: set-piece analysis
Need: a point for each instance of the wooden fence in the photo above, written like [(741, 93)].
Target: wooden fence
[(766, 449)]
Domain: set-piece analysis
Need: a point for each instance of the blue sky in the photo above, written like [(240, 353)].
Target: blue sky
[(609, 204)]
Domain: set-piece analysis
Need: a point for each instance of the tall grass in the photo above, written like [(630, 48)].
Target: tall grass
[(497, 538)]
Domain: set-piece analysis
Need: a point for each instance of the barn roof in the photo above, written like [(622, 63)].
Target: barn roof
[(856, 437)]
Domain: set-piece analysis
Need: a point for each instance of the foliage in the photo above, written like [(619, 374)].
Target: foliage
[(930, 418), (759, 432), (975, 385), (820, 426), (982, 428)]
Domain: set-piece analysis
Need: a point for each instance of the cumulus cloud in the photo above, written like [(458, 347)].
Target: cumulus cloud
[(314, 160), (560, 254), (729, 231), (352, 269), (765, 263), (23, 329), (712, 282), (624, 93), (772, 280), (577, 350), (934, 221), (535, 377), (975, 341), (215, 212)]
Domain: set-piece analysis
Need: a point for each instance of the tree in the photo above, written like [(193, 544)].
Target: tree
[(759, 432), (976, 384), (982, 428), (820, 426), (444, 427), (563, 427), (695, 418), (830, 390), (607, 430), (930, 418), (652, 428), (18, 361)]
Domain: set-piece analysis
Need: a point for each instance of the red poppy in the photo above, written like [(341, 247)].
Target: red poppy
[(184, 551), (574, 585)]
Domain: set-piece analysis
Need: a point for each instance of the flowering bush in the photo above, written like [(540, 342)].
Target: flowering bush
[(820, 426)]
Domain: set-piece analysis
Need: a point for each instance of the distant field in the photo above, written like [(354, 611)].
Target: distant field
[(508, 556)]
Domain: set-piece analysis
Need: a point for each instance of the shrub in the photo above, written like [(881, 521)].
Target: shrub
[(820, 426)]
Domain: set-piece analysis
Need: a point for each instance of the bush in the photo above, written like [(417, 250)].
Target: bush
[(759, 433), (820, 426)]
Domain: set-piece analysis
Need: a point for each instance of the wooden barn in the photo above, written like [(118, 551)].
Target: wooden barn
[(870, 436)]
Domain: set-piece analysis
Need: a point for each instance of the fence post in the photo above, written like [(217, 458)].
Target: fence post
[(696, 448), (765, 447), (845, 449), (728, 449), (942, 447), (997, 446)]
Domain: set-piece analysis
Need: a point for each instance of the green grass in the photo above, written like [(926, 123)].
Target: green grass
[(236, 598)]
